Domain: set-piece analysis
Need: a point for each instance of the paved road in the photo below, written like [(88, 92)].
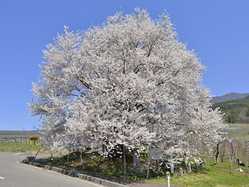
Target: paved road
[(15, 174)]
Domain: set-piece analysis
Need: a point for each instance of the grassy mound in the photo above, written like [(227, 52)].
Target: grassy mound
[(96, 165)]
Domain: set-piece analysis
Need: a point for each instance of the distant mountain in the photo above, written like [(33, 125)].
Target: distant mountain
[(229, 97), (236, 108)]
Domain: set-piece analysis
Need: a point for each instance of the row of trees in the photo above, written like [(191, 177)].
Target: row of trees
[(127, 85)]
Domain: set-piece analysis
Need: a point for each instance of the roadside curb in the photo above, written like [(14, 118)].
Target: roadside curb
[(100, 181), (74, 173)]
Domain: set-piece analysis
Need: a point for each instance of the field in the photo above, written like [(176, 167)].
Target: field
[(239, 131), (18, 147), (213, 176), (17, 141)]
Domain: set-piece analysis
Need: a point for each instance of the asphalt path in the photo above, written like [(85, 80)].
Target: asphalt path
[(15, 174)]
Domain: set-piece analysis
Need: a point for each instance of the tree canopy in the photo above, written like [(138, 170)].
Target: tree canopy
[(129, 82)]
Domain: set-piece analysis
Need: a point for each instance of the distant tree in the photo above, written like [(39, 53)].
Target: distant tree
[(247, 112)]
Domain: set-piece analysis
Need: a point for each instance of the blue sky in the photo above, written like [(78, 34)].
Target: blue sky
[(218, 30)]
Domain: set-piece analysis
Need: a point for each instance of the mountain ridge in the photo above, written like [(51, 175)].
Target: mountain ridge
[(229, 96), (235, 108)]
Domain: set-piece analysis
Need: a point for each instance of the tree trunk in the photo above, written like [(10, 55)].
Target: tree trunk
[(217, 152), (172, 168), (37, 153), (136, 161), (149, 162), (189, 167), (181, 171), (51, 155), (51, 158), (68, 157), (81, 159), (231, 156), (148, 169), (124, 165)]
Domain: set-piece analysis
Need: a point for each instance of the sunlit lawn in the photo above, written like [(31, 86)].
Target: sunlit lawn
[(239, 131), (216, 175), (18, 147), (213, 176)]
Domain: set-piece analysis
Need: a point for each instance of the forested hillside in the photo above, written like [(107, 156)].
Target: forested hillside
[(236, 111), (229, 97)]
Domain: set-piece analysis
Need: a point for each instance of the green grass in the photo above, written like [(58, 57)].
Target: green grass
[(216, 175), (238, 131), (213, 176), (18, 147)]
